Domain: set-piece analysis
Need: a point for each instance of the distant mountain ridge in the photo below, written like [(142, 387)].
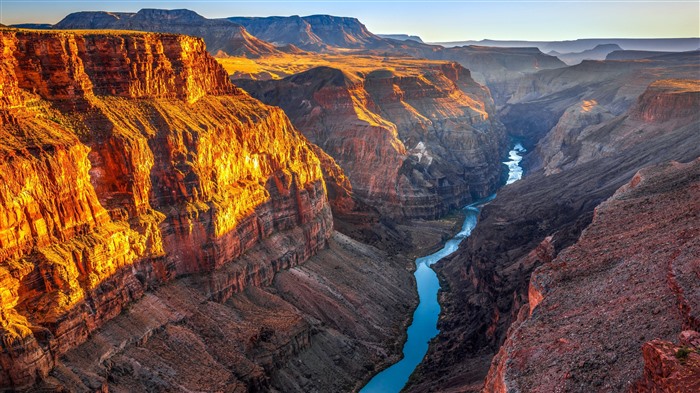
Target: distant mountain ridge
[(259, 36), (314, 32), (402, 37), (579, 45), (222, 36), (634, 54), (598, 53)]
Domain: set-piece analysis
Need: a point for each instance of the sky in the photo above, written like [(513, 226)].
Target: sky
[(433, 21)]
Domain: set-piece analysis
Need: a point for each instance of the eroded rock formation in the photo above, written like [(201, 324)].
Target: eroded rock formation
[(670, 367), (414, 143), (497, 68), (588, 131), (223, 37), (531, 221), (129, 160), (320, 326), (625, 282)]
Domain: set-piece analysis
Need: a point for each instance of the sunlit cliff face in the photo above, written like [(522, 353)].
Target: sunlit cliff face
[(128, 159), (414, 135)]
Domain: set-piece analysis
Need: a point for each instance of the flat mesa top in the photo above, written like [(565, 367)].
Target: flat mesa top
[(280, 66), (678, 85)]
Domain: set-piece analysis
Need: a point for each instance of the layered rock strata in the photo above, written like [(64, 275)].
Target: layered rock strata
[(223, 37), (631, 277), (130, 160), (414, 143), (588, 131), (498, 68), (321, 326), (539, 101), (530, 222)]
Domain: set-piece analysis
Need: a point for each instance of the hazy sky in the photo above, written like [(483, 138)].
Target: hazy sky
[(447, 20)]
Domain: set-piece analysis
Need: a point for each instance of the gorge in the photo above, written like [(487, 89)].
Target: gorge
[(245, 204), (425, 317)]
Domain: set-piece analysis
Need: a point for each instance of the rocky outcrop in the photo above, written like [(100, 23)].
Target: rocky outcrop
[(665, 100), (671, 367), (538, 101), (322, 326), (588, 132), (631, 277), (66, 66), (130, 160), (487, 282), (223, 37), (414, 143)]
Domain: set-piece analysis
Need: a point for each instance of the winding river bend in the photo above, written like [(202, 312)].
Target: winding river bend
[(424, 325)]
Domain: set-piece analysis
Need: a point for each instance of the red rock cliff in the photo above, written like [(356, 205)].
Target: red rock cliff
[(415, 143), (588, 131), (632, 277), (128, 160), (670, 367)]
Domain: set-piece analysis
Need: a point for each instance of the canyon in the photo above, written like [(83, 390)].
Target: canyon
[(497, 68), (395, 133), (240, 208), (132, 205), (598, 288), (528, 226)]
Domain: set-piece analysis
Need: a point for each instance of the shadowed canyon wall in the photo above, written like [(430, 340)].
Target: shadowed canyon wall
[(624, 282), (129, 160), (487, 282), (415, 143)]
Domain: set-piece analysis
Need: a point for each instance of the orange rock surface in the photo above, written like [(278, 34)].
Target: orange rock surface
[(128, 159), (415, 137)]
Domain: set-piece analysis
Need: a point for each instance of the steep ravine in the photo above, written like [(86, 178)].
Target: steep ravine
[(530, 222), (425, 317), (415, 143), (625, 281), (165, 213)]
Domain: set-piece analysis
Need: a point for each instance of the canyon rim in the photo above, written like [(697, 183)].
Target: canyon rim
[(205, 199)]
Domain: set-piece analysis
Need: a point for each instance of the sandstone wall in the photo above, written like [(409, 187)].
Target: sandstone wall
[(415, 143), (128, 159)]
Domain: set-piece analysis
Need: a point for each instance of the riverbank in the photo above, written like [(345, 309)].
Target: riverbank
[(423, 327)]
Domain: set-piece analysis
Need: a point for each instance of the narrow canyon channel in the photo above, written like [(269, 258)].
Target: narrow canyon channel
[(424, 325)]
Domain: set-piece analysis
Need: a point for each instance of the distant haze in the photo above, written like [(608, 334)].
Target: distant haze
[(447, 20)]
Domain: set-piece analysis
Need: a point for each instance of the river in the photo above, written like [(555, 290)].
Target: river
[(424, 325)]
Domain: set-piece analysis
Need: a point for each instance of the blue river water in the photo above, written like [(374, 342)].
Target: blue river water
[(424, 325)]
